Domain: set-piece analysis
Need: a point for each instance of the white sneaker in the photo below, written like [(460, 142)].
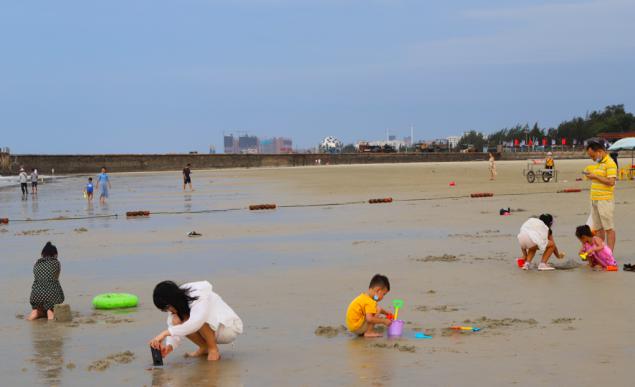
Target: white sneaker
[(545, 266), (526, 266)]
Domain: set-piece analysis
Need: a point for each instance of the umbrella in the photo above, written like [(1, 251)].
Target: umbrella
[(627, 143)]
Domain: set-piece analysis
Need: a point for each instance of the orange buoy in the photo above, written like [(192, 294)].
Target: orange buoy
[(381, 200), (4, 220), (137, 213), (569, 190), (482, 195), (256, 207)]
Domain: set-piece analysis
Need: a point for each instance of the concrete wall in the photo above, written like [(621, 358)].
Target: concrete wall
[(71, 164)]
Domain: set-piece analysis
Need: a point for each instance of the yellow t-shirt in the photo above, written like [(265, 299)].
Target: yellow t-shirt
[(549, 162), (605, 168), (357, 311)]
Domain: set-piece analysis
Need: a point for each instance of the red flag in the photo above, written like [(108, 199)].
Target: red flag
[(516, 142), (544, 141), (531, 143), (564, 141)]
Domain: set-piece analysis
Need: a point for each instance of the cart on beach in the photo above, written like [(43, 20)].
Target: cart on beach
[(536, 168)]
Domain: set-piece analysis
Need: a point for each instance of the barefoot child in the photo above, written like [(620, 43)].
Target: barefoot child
[(195, 312), (89, 190), (598, 253), (363, 312), (535, 234), (46, 290)]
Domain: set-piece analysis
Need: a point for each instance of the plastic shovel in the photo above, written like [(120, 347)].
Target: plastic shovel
[(397, 304)]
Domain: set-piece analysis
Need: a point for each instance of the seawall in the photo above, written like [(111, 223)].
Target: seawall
[(73, 164)]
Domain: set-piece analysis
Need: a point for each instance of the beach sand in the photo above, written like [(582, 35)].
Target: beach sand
[(287, 272)]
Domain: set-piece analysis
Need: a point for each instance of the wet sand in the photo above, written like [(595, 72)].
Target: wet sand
[(291, 271)]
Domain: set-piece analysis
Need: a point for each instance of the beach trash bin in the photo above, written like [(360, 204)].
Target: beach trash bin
[(396, 328)]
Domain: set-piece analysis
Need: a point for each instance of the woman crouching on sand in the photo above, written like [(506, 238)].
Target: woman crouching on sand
[(195, 312), (535, 234), (46, 290)]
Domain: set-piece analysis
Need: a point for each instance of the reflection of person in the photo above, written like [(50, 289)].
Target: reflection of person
[(602, 186), (186, 177), (598, 253), (103, 185), (362, 313), (46, 290), (535, 234), (492, 166), (195, 312)]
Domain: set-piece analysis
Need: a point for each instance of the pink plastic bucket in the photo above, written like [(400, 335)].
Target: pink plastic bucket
[(396, 328)]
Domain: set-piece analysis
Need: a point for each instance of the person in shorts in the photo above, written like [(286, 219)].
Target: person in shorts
[(34, 178), (186, 177), (602, 191)]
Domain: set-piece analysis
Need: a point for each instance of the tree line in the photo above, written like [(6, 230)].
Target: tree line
[(611, 120)]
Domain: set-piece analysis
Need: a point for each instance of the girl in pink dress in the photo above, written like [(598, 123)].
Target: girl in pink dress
[(597, 252)]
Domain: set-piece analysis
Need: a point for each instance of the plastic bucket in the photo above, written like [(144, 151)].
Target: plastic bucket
[(520, 262), (396, 328)]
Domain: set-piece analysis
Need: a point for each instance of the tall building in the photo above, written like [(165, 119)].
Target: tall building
[(453, 141), (231, 144), (276, 145)]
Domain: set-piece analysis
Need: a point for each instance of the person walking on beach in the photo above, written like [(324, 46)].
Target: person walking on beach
[(602, 191), (186, 177), (492, 166), (46, 291), (103, 185), (34, 177), (195, 312), (23, 178)]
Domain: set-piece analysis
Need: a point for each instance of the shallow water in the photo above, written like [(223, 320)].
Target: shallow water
[(288, 271)]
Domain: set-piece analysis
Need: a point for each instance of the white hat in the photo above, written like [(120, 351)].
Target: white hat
[(548, 153), (21, 169)]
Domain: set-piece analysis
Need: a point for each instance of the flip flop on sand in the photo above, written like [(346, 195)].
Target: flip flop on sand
[(192, 234)]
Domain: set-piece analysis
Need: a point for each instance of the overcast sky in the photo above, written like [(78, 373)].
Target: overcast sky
[(124, 76)]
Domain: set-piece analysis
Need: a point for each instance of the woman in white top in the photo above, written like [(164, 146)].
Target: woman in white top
[(535, 234), (195, 312)]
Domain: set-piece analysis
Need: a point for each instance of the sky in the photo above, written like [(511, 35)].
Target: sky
[(158, 76)]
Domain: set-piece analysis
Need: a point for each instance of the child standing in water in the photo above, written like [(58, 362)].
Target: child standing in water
[(46, 290), (598, 253), (363, 311), (89, 189)]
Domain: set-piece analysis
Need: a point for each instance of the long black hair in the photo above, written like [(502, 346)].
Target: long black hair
[(49, 251), (167, 293)]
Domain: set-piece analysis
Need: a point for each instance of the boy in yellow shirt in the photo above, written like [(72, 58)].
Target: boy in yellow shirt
[(363, 312)]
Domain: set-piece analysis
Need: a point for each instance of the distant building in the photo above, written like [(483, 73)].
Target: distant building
[(330, 144), (407, 141), (276, 145), (231, 144), (453, 141), (392, 137), (212, 149), (246, 144)]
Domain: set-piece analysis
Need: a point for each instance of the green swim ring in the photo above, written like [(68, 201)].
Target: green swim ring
[(115, 301)]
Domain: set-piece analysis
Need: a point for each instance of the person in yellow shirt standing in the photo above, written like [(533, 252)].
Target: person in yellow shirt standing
[(602, 187), (363, 312)]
